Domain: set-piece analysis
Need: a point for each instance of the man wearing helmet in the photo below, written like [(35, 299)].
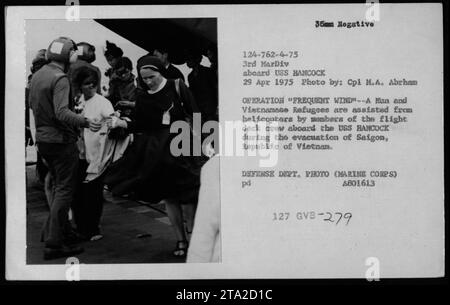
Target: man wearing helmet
[(56, 135)]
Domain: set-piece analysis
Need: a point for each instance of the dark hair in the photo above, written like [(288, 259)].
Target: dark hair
[(194, 55), (113, 50), (88, 52), (39, 61), (84, 73), (162, 49), (124, 62)]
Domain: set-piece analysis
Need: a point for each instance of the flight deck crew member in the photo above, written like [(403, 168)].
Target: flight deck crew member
[(56, 137)]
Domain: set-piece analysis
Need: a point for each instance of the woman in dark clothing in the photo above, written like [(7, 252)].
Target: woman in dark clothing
[(122, 88), (113, 54), (160, 175)]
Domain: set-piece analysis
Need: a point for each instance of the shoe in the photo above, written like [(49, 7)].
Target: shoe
[(181, 249), (75, 238), (63, 251)]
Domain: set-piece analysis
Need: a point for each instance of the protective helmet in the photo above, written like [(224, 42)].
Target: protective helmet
[(86, 52), (59, 50)]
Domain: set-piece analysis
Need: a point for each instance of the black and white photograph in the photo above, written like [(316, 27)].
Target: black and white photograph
[(223, 142), (103, 183)]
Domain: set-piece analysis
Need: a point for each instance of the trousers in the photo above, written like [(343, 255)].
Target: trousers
[(62, 162), (88, 205)]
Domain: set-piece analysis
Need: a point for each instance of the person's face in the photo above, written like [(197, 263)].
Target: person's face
[(123, 73), (151, 78), (88, 88), (112, 61), (162, 56)]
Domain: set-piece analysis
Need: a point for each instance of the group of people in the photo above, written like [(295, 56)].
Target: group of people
[(121, 138)]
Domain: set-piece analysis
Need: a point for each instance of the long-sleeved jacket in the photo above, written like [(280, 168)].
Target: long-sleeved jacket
[(49, 100), (122, 90)]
